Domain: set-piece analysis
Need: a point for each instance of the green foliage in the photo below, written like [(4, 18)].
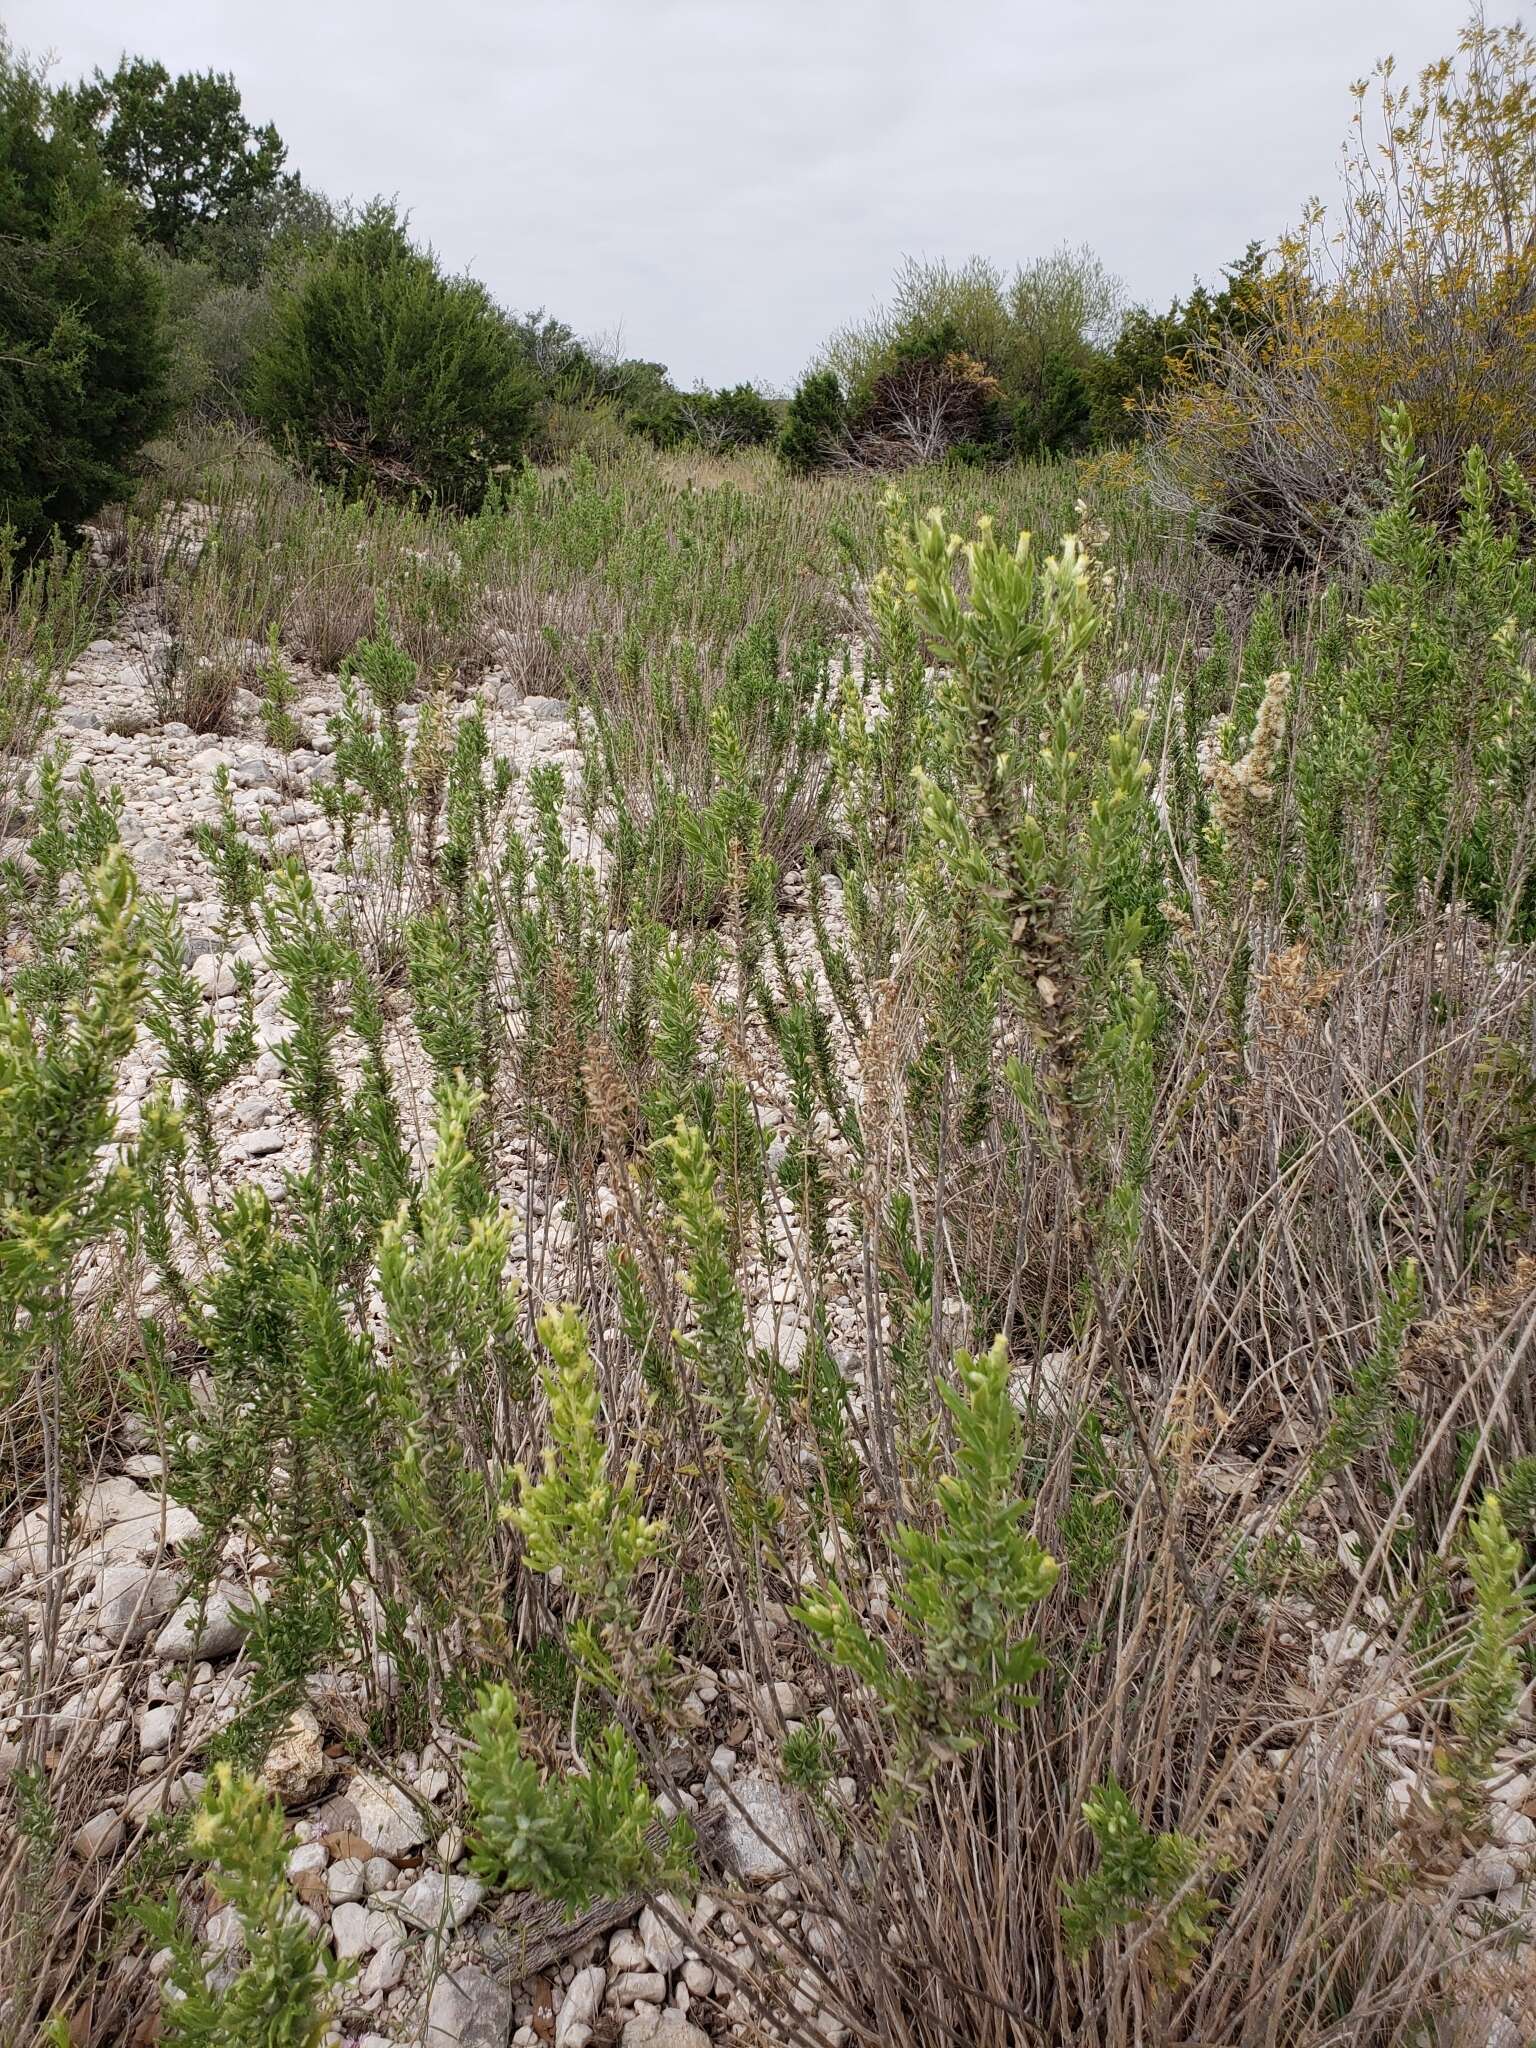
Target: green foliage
[(177, 1016), (383, 374), (1428, 738), (455, 1343), (705, 780), (1094, 1523), (82, 347), (573, 1519), (1151, 348), (965, 1585), (1360, 1417), (1060, 421), (1517, 1498), (287, 1990), (214, 330), (881, 994), (1414, 289), (975, 356), (312, 1436), (714, 1349), (60, 1189), (73, 830), (573, 1839), (198, 170), (814, 423), (808, 1760), (1041, 840), (738, 417), (1058, 306), (1488, 1678), (53, 604), (279, 726), (1141, 1876)]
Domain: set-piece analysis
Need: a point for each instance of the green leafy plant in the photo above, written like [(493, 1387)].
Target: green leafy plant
[(62, 1190), (287, 1987), (82, 346), (1488, 1678), (576, 1839), (575, 1520), (1359, 1418), (965, 1586), (815, 423), (1142, 1876), (1038, 821), (207, 183), (1424, 745), (715, 1349)]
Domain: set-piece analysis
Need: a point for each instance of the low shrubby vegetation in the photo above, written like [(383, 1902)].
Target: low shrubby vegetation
[(1415, 289), (381, 374), (779, 1224)]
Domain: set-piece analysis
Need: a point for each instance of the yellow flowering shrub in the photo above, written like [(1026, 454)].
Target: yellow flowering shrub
[(1418, 289)]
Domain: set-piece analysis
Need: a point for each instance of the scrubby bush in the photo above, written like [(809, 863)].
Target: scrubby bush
[(586, 389), (286, 1989), (215, 331), (933, 398), (1060, 421), (53, 604), (1418, 291), (814, 424), (383, 374), (1149, 348), (1063, 311), (967, 303), (1009, 361), (1421, 754), (82, 349), (738, 417)]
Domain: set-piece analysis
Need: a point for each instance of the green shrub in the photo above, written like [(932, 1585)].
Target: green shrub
[(573, 1518), (596, 1835), (215, 331), (1486, 1687), (384, 374), (958, 353), (1061, 421), (285, 1992), (52, 610), (1141, 1876), (738, 417), (82, 345), (61, 1189), (966, 1586), (1149, 348), (1418, 756), (814, 424)]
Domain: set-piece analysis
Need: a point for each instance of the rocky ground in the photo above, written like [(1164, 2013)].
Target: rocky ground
[(144, 1679), (147, 1679)]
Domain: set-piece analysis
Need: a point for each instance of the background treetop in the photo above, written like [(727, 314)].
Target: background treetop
[(184, 149)]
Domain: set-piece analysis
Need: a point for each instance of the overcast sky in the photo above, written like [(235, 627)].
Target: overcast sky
[(727, 180)]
